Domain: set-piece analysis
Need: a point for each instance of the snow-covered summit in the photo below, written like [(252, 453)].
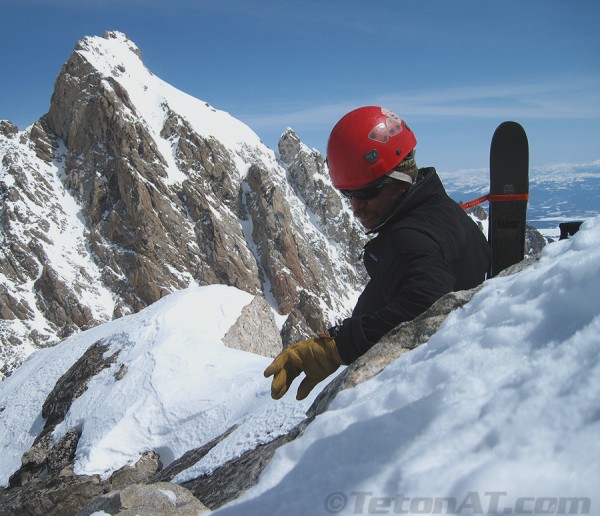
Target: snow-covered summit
[(114, 55)]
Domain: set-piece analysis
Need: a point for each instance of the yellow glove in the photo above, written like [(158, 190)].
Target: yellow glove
[(317, 357)]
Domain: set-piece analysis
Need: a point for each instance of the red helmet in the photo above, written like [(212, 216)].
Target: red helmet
[(366, 144)]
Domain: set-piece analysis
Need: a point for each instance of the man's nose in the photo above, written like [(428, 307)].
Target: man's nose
[(356, 203)]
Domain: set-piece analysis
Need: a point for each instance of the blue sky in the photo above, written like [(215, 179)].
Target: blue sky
[(452, 69)]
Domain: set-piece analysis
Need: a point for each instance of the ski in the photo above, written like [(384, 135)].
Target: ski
[(509, 192)]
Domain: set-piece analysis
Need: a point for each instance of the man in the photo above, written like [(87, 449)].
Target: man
[(425, 245)]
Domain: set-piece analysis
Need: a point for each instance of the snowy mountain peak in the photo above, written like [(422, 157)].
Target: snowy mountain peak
[(91, 43), (129, 189), (168, 250), (152, 100)]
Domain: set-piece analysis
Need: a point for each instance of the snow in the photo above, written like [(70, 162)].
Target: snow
[(499, 410), (182, 388)]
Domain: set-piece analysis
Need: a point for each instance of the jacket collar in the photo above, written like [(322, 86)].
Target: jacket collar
[(426, 183)]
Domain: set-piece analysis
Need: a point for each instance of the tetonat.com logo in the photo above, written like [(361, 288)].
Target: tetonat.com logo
[(490, 502)]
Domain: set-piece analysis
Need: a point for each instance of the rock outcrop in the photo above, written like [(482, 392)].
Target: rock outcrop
[(46, 483), (161, 498), (255, 330)]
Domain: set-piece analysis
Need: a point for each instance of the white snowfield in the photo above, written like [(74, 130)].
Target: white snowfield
[(497, 414), (181, 389)]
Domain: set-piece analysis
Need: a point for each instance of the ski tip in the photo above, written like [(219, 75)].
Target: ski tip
[(510, 125)]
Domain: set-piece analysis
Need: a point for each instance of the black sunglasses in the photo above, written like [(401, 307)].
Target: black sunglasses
[(364, 194)]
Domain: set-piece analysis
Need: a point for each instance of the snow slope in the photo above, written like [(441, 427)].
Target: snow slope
[(498, 413), (182, 388)]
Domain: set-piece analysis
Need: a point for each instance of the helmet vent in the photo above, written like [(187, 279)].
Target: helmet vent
[(372, 156)]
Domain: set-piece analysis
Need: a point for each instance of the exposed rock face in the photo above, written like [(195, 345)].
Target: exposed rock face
[(61, 304), (45, 458), (113, 200), (229, 481), (8, 129), (534, 242), (309, 177), (255, 330)]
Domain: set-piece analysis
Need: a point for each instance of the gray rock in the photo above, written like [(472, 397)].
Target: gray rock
[(74, 382), (295, 328), (255, 330), (53, 495), (534, 242), (142, 471), (229, 481), (45, 458), (188, 459), (161, 499), (403, 338), (8, 129)]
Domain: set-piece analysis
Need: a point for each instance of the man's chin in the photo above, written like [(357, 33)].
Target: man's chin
[(367, 222)]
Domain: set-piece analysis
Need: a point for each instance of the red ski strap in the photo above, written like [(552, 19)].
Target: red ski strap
[(497, 197), (475, 202)]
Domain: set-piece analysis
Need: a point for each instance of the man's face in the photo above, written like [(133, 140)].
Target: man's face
[(372, 212)]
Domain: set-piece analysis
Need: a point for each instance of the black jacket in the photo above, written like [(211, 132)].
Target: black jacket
[(426, 248)]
